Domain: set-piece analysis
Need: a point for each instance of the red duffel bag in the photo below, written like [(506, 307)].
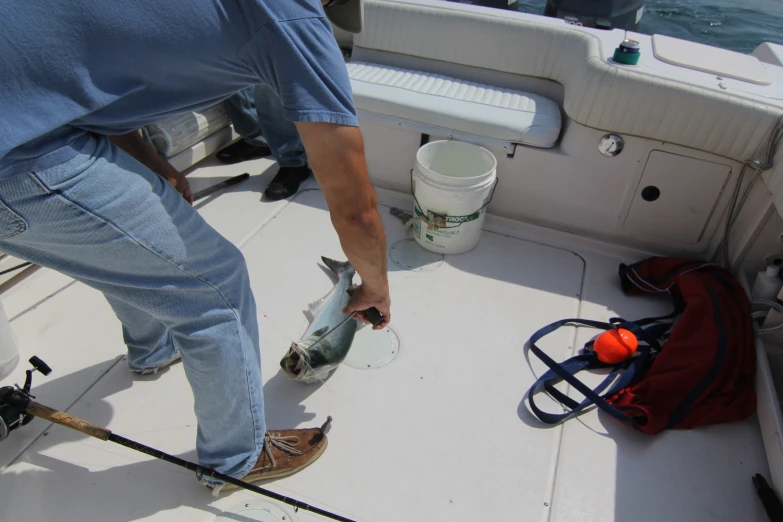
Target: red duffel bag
[(693, 367)]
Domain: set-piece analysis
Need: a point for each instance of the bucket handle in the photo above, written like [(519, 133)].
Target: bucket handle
[(485, 205)]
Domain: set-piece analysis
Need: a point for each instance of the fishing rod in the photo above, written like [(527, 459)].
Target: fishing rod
[(17, 267), (17, 409), (220, 186)]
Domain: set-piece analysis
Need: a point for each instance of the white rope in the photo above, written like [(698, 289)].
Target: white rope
[(655, 288), (412, 221), (760, 309)]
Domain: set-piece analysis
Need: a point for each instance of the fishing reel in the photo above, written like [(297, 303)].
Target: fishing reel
[(14, 400)]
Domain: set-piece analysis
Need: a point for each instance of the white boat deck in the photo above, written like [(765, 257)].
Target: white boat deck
[(441, 433)]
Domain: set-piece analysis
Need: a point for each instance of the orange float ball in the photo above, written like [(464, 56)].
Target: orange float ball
[(615, 346)]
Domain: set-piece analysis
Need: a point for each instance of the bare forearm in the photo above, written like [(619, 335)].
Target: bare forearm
[(355, 217), (364, 243), (135, 145), (336, 155)]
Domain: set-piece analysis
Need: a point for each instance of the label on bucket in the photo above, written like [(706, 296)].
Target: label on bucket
[(450, 220), (446, 226)]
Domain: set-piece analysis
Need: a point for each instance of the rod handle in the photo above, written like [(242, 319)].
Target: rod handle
[(69, 421), (373, 315)]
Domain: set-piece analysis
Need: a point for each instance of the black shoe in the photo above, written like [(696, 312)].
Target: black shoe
[(286, 182), (242, 151)]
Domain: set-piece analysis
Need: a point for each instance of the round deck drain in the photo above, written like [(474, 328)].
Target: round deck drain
[(259, 511), (372, 349), (407, 254)]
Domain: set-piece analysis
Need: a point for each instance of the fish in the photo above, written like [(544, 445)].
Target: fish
[(312, 365)]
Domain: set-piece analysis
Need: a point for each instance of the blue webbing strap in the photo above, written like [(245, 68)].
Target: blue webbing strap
[(620, 377)]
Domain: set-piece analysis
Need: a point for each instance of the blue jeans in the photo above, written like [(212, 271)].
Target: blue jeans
[(176, 285), (257, 115)]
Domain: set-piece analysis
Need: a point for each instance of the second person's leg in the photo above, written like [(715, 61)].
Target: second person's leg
[(241, 108), (284, 141)]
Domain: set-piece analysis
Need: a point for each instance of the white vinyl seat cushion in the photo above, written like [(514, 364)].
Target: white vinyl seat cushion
[(449, 103)]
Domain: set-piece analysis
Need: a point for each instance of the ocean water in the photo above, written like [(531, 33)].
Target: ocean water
[(738, 25)]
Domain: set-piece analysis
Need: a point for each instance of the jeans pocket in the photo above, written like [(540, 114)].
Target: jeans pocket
[(11, 223), (59, 177)]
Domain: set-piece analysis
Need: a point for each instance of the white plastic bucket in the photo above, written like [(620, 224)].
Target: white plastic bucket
[(452, 183), (9, 351)]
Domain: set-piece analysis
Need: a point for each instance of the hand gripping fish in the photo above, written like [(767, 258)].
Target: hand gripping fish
[(328, 339)]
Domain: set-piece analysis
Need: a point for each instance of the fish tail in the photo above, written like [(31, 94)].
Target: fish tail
[(338, 267)]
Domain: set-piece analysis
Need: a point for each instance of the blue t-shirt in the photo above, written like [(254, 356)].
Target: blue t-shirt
[(106, 66)]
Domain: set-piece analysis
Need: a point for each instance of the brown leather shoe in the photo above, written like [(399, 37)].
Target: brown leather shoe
[(286, 452)]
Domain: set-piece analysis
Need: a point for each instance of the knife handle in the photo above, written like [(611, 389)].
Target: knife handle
[(373, 315)]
